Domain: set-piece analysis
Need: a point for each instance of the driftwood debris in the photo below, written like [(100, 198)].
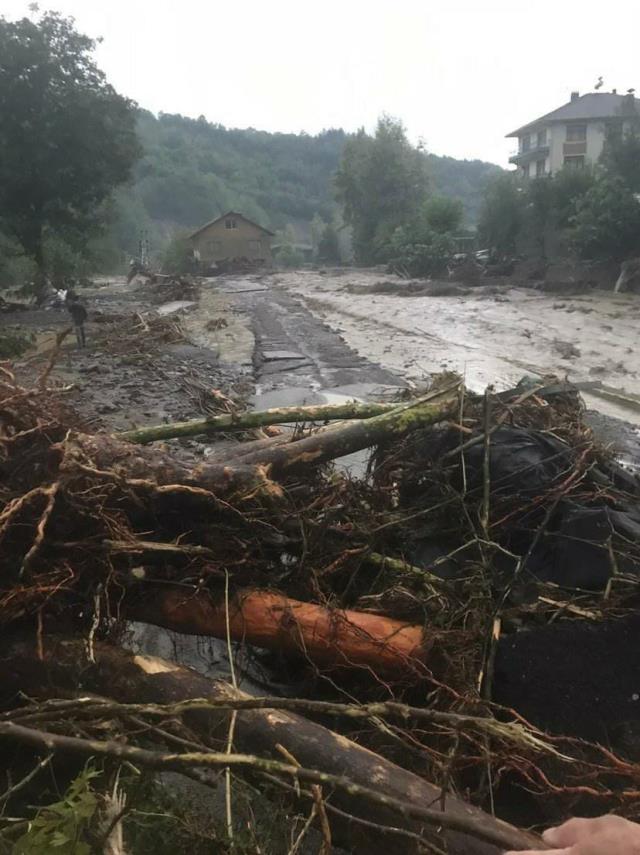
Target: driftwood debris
[(328, 637), (391, 589), (257, 419), (274, 460), (357, 775)]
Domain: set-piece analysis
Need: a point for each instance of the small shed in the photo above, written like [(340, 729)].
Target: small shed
[(231, 236)]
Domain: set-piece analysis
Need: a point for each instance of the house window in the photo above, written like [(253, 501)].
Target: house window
[(576, 133), (255, 245), (525, 142), (213, 247), (542, 137), (540, 170), (574, 162), (230, 223)]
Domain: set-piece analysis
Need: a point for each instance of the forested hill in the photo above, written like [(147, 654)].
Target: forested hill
[(192, 171)]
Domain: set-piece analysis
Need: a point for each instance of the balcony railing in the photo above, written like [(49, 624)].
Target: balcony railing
[(575, 148), (530, 153)]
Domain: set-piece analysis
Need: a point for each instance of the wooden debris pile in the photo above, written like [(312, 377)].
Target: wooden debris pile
[(138, 335), (394, 590)]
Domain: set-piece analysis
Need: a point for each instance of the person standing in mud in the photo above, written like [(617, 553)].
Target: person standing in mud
[(79, 316)]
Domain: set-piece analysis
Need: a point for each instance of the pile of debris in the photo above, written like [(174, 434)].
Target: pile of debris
[(451, 596), (137, 334), (168, 288), (238, 264)]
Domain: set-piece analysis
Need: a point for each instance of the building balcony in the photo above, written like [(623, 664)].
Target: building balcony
[(574, 148), (534, 152)]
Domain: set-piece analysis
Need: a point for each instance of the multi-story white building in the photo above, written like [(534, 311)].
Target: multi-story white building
[(574, 134)]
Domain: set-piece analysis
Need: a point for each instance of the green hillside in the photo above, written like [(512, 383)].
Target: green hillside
[(192, 171)]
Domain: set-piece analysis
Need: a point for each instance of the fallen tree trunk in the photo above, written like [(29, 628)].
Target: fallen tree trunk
[(330, 637), (354, 436), (251, 420), (118, 459), (63, 666), (102, 455)]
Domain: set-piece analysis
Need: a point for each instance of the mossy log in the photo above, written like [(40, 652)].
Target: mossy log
[(108, 455), (256, 419)]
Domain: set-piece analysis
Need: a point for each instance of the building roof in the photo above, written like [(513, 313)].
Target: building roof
[(593, 105), (230, 214)]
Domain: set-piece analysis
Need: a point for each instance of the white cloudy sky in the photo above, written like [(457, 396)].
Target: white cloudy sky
[(460, 73)]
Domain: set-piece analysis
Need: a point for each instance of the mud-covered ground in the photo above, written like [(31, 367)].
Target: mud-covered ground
[(294, 337), (492, 334)]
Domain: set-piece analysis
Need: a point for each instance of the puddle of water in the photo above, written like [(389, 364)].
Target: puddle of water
[(208, 656), (174, 306), (354, 465)]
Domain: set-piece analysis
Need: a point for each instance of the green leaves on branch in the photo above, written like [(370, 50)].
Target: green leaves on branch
[(595, 210), (607, 221), (425, 246), (381, 182), (61, 827), (66, 137)]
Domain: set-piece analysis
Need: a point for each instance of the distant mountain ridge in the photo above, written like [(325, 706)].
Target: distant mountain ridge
[(192, 171)]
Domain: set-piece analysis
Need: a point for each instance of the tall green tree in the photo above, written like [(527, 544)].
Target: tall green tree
[(329, 245), (443, 214), (381, 182), (502, 213), (607, 222), (621, 156), (66, 137)]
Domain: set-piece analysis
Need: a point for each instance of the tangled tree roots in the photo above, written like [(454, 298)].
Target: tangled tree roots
[(406, 585)]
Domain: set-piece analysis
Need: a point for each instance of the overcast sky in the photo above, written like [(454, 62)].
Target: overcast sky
[(459, 73)]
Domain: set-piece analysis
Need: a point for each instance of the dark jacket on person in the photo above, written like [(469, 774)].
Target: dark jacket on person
[(77, 312)]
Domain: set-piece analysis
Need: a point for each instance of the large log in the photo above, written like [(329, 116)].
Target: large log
[(63, 666), (328, 637), (110, 457), (354, 436), (256, 419), (253, 471)]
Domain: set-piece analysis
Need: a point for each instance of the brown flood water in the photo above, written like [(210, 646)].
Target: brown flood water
[(489, 338)]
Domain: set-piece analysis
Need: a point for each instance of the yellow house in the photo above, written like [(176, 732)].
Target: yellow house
[(231, 236)]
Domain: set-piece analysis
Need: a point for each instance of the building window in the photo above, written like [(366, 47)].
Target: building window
[(542, 137), (540, 170), (525, 142), (574, 162), (255, 245), (213, 246), (576, 133), (230, 223)]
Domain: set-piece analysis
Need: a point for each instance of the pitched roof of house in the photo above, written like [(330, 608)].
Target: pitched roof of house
[(593, 105), (230, 214)]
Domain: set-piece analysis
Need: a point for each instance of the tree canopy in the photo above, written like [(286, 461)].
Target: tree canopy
[(381, 182), (66, 137), (502, 213), (193, 170)]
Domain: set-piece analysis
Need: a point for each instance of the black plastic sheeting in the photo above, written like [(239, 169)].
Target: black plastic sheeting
[(577, 554), (523, 463), (575, 548), (576, 677)]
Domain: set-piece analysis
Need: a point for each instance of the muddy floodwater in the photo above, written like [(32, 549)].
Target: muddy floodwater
[(491, 335)]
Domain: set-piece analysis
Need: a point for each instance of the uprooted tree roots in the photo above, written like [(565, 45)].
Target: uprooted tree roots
[(394, 591)]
